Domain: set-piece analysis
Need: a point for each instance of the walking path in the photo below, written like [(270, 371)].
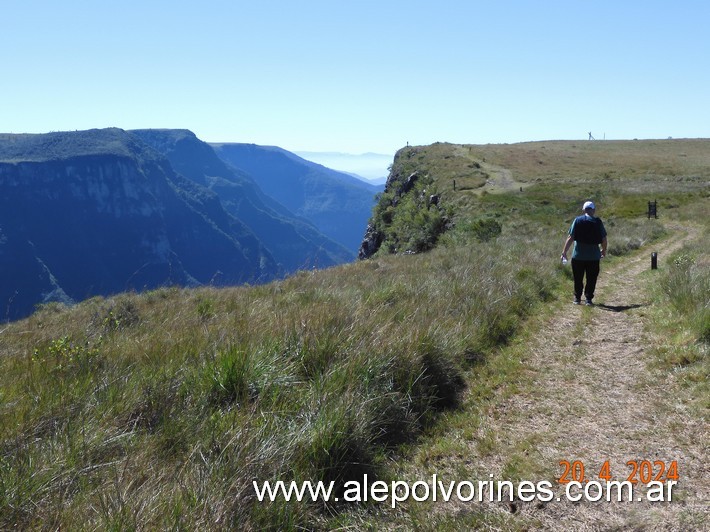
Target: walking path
[(596, 398)]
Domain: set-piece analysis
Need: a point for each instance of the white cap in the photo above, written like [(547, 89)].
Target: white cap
[(588, 205)]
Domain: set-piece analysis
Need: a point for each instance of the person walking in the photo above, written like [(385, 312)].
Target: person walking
[(588, 233)]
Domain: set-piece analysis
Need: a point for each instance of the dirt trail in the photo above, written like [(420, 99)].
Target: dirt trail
[(596, 398), (501, 180)]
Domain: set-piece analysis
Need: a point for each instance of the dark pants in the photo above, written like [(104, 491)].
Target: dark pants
[(579, 269)]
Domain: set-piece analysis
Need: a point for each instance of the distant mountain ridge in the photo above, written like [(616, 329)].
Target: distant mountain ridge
[(99, 212), (338, 204), (104, 211), (294, 242)]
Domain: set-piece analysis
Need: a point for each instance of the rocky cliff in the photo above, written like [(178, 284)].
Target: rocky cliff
[(336, 203), (99, 212), (409, 215), (293, 241)]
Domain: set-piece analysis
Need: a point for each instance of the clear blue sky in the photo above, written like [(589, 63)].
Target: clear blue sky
[(358, 76)]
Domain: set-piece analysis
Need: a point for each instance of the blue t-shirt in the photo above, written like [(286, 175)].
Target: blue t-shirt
[(585, 250)]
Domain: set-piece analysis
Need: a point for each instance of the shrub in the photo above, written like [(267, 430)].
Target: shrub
[(64, 354), (482, 230), (121, 313)]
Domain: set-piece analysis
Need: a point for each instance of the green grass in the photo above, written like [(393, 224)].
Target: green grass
[(157, 410), (681, 323)]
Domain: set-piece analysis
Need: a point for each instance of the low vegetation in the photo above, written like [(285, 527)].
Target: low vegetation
[(158, 410), (682, 321)]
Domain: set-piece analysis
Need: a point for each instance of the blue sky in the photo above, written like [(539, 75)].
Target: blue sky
[(365, 76)]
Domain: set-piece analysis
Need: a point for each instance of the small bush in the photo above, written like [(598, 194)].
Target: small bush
[(64, 354), (481, 230), (121, 314)]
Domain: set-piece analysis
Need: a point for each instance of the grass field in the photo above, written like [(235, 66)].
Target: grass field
[(157, 410)]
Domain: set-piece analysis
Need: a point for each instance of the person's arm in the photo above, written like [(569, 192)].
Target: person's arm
[(604, 247), (568, 243)]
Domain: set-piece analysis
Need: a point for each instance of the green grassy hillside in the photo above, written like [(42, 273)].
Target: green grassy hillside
[(530, 188), (158, 410)]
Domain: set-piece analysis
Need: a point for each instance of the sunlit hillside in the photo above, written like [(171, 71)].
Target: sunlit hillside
[(532, 188), (158, 410)]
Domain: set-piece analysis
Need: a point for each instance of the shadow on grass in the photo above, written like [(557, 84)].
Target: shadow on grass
[(619, 308)]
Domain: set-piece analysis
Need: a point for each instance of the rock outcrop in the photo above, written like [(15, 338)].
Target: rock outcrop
[(409, 215), (370, 243)]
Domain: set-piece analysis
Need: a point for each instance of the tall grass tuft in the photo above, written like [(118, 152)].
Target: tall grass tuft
[(682, 321), (686, 286)]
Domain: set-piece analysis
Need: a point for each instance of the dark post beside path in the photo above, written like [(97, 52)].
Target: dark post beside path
[(653, 211)]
